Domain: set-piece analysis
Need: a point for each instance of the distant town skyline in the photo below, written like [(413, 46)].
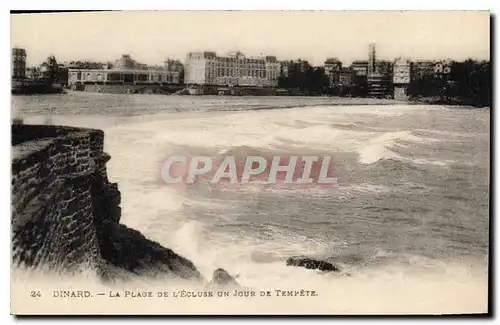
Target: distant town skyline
[(151, 37)]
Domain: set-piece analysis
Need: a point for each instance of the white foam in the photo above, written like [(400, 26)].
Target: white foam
[(260, 130), (378, 147), (367, 188), (432, 162)]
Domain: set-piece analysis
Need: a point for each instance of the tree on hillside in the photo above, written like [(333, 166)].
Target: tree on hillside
[(469, 84)]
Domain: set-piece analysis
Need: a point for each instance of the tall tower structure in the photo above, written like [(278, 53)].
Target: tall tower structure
[(378, 81), (18, 63), (372, 58)]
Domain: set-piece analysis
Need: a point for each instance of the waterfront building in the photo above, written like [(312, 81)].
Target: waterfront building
[(333, 67), (385, 67), (401, 78), (62, 74), (125, 62), (33, 73), (442, 69), (18, 63), (423, 68), (400, 92), (88, 65), (402, 71), (284, 69), (379, 75), (234, 69), (125, 71), (177, 67), (173, 65), (301, 65), (360, 67), (379, 85), (346, 76), (372, 60), (273, 70), (294, 67), (121, 76)]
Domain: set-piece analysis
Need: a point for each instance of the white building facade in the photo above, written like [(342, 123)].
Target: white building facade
[(402, 71), (235, 69), (401, 78)]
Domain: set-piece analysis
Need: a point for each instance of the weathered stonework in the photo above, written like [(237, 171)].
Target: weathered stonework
[(65, 213)]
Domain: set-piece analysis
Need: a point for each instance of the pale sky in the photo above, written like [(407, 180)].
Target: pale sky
[(152, 36)]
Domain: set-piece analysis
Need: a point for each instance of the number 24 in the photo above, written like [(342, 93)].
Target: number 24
[(36, 294)]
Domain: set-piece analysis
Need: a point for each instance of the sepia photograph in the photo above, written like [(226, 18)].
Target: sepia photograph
[(250, 162)]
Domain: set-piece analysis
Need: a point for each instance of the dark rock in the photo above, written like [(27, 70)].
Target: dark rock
[(313, 264), (128, 249), (222, 278)]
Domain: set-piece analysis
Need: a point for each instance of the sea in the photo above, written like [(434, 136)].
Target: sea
[(408, 221)]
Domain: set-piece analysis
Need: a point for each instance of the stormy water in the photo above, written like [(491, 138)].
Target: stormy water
[(407, 222)]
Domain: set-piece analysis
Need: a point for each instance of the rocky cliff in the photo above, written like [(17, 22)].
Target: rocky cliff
[(66, 214)]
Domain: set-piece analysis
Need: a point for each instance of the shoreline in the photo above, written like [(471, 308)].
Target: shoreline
[(336, 100), (439, 102)]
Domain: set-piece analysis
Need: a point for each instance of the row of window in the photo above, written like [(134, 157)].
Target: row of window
[(246, 67), (229, 60), (240, 65), (234, 72), (228, 81), (121, 77), (241, 79)]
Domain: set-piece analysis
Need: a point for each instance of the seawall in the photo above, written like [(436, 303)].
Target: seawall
[(66, 213), (28, 87), (171, 89), (130, 89)]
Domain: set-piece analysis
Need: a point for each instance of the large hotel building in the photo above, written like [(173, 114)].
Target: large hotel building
[(235, 69)]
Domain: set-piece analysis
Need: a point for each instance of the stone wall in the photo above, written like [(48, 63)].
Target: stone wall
[(132, 89), (65, 213)]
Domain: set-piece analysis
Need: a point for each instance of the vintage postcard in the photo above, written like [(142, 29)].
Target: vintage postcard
[(245, 162)]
